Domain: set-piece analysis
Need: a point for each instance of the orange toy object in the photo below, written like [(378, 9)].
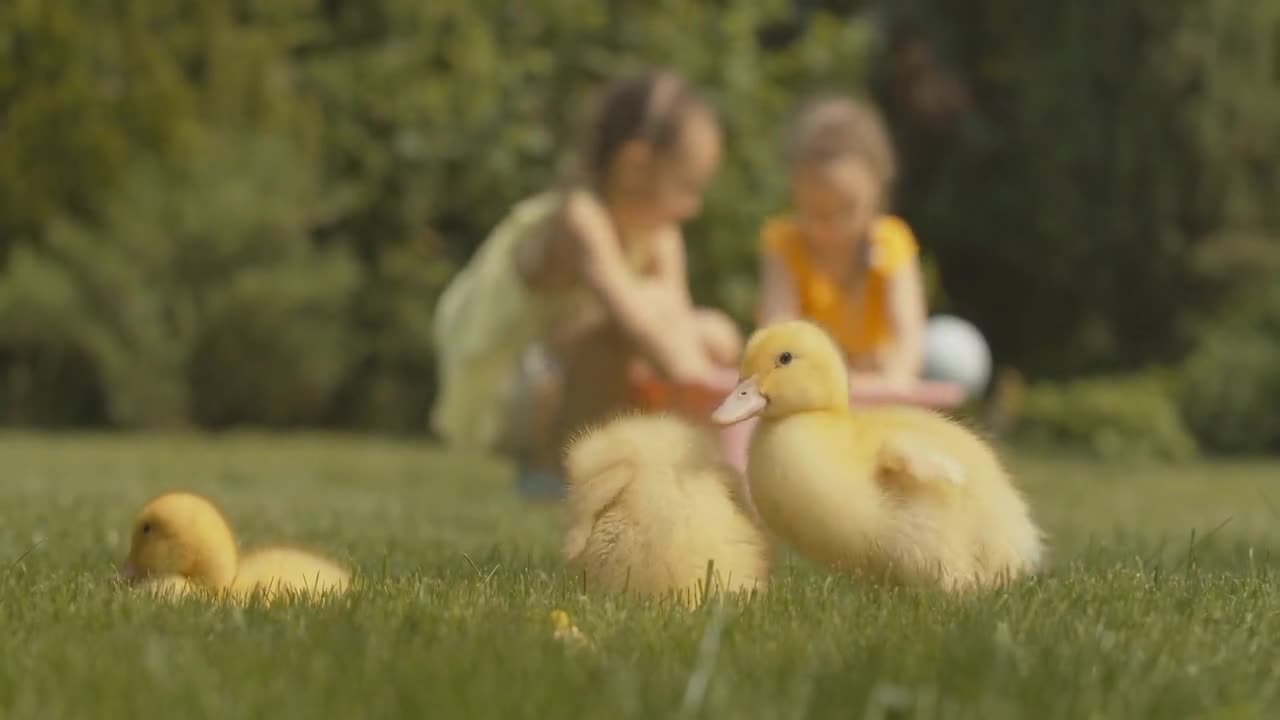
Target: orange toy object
[(651, 393)]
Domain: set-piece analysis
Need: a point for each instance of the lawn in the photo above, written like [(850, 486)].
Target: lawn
[(1161, 601)]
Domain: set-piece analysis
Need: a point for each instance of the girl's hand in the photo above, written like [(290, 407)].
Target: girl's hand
[(709, 377), (695, 371), (698, 395)]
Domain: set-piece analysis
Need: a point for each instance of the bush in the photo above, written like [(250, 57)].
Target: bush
[(226, 212), (392, 385), (230, 213), (1110, 191), (71, 119), (1118, 417), (1230, 386), (204, 253), (276, 346)]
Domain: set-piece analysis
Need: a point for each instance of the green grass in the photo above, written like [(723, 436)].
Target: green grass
[(1153, 607)]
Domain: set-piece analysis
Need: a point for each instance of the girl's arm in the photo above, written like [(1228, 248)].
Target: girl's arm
[(778, 298), (656, 313), (672, 268), (903, 359)]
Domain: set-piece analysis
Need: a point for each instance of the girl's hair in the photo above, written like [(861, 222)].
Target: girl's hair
[(834, 128), (650, 107)]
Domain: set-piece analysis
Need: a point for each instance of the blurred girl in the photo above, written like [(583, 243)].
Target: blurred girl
[(579, 287), (841, 260)]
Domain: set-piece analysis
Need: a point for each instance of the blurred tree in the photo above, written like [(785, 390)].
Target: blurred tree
[(228, 211), (234, 211), (77, 102), (202, 270), (1230, 388), (1107, 171), (203, 186)]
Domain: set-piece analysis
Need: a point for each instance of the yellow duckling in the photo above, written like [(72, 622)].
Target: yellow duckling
[(169, 586), (181, 542), (564, 630), (650, 503), (900, 492)]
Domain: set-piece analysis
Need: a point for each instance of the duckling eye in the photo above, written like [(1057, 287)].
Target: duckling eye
[(784, 358), (146, 528)]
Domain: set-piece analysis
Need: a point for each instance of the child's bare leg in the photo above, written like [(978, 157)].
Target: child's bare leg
[(546, 403), (594, 387)]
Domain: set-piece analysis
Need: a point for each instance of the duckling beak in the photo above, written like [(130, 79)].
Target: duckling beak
[(744, 402), (130, 572)]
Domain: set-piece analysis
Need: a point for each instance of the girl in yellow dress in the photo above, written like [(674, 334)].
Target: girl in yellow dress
[(844, 262), (541, 332)]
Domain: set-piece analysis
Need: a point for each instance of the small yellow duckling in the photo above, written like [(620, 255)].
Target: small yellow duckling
[(650, 503), (169, 587), (564, 630), (181, 542), (898, 491)]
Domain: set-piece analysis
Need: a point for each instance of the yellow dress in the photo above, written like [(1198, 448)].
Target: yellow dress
[(488, 329), (859, 323)]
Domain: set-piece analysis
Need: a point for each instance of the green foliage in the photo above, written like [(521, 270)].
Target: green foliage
[(223, 212), (75, 105), (243, 213), (1230, 390), (206, 254), (1119, 417), (1115, 181), (392, 385), (276, 346)]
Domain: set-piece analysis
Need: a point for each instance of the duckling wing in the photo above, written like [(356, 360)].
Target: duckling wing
[(589, 498), (605, 460), (909, 458), (274, 568)]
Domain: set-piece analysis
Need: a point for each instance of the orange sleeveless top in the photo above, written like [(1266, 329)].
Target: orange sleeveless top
[(859, 322)]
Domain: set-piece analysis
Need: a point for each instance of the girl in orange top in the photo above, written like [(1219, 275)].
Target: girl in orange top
[(841, 260)]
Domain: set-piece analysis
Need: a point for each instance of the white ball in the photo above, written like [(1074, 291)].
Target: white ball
[(955, 351)]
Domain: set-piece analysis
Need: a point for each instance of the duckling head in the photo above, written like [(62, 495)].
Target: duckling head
[(787, 368), (184, 535)]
